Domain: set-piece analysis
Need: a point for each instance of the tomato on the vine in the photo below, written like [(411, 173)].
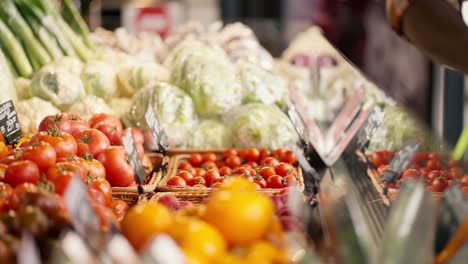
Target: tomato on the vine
[(91, 141), (176, 181), (23, 171), (63, 143), (118, 170), (196, 159)]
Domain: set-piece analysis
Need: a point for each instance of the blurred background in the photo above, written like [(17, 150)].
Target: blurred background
[(357, 28)]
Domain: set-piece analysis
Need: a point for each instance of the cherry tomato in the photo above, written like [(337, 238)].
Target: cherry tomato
[(7, 160), (229, 152), (119, 208), (463, 181), (240, 170), (208, 165), (216, 185), (270, 161), (41, 153), (64, 122), (63, 143), (6, 191), (107, 119), (22, 171), (289, 157), (253, 154), (432, 175), (433, 164), (377, 159), (91, 141), (455, 172), (199, 172), (252, 164), (439, 184), (411, 173), (264, 153), (243, 153), (212, 176), (183, 165), (275, 182), (260, 181), (266, 172), (176, 181), (433, 156), (387, 156), (106, 216), (111, 132), (289, 180), (284, 169), (419, 157), (196, 159), (137, 135), (223, 171), (209, 157), (233, 162), (279, 153), (187, 176), (199, 186), (118, 171), (198, 181)]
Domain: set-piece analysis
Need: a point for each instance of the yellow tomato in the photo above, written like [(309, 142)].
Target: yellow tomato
[(265, 252), (238, 184), (242, 217), (198, 236), (144, 221)]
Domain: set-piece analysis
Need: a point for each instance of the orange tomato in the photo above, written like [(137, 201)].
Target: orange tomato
[(144, 221), (242, 217)]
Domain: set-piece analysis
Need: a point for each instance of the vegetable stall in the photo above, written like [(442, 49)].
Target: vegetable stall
[(204, 148)]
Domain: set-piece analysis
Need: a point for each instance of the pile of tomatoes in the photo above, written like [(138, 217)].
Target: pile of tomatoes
[(265, 168), (68, 146), (433, 169)]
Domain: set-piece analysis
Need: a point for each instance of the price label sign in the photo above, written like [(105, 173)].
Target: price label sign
[(370, 128), (159, 136), (9, 124), (400, 162), (134, 158)]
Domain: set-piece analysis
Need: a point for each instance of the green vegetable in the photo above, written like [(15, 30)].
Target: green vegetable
[(174, 109), (7, 88), (73, 17), (100, 79), (211, 134), (135, 76), (207, 75), (20, 28), (15, 50), (258, 125)]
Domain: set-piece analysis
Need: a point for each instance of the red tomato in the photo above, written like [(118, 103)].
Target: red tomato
[(381, 169), (94, 168), (453, 163), (243, 153), (199, 172), (41, 153), (118, 171), (252, 164), (264, 153), (464, 181), (216, 185), (209, 157), (387, 156), (96, 197), (176, 181), (270, 161), (433, 164), (208, 165), (7, 160), (434, 156), (212, 176), (6, 191), (289, 157), (64, 122), (111, 132), (63, 143), (432, 175), (455, 172), (198, 181), (104, 187), (119, 208), (196, 159), (275, 182), (22, 171), (229, 152), (187, 176), (266, 172), (253, 154), (106, 216), (183, 165), (225, 171), (260, 181), (233, 162), (110, 120), (19, 192), (284, 169), (290, 180), (419, 157), (62, 173), (241, 171), (91, 141), (137, 135), (439, 184), (377, 159), (411, 173)]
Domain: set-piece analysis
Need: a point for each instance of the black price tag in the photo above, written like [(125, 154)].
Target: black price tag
[(134, 158), (159, 136), (9, 124), (370, 127), (400, 162), (299, 125)]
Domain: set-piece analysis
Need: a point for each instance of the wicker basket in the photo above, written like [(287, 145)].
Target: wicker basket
[(176, 159), (130, 194)]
